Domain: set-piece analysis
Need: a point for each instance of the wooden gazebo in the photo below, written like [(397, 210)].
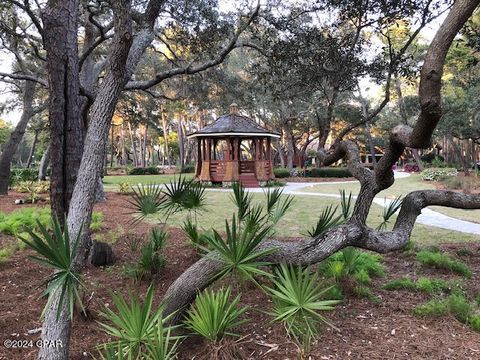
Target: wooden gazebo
[(234, 148)]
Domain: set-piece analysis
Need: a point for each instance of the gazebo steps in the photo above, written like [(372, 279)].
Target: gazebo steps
[(249, 181)]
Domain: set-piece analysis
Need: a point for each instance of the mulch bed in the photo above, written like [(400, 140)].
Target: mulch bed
[(366, 330)]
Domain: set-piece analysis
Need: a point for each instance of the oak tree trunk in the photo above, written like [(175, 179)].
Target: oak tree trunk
[(16, 136)]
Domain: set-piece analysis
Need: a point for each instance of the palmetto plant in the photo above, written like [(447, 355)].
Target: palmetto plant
[(147, 200), (57, 251), (277, 204), (389, 210), (297, 302), (214, 314), (183, 194), (135, 325), (326, 220), (242, 200), (238, 250), (346, 204)]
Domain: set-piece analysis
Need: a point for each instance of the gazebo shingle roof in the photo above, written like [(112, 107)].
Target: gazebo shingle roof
[(234, 123)]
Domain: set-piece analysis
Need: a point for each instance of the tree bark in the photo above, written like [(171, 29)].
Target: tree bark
[(44, 162), (181, 143), (16, 136), (60, 20), (32, 150)]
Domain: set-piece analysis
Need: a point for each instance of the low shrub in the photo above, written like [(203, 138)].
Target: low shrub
[(351, 263), (436, 174), (97, 221), (443, 261), (456, 304), (330, 172), (188, 169), (214, 314), (24, 219), (124, 188), (412, 167), (429, 286), (39, 187), (281, 173), (431, 156), (151, 259), (151, 170), (18, 175), (274, 183)]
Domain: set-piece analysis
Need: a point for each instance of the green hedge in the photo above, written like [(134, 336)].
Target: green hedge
[(281, 173), (151, 170), (18, 175), (330, 172), (187, 169)]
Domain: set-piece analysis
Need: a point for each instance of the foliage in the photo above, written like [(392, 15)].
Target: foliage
[(124, 187), (429, 286), (214, 314), (352, 263), (281, 173), (191, 230), (58, 253), (242, 200), (138, 327), (330, 172), (412, 167), (151, 258), (388, 211), (146, 200), (188, 169), (436, 174), (97, 221), (133, 242), (19, 221), (297, 300), (238, 251), (274, 183), (326, 221), (431, 156), (183, 194), (346, 204), (39, 187), (456, 304), (151, 170), (440, 260), (18, 175), (277, 204)]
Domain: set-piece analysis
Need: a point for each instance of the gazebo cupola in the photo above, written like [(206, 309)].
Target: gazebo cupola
[(234, 148)]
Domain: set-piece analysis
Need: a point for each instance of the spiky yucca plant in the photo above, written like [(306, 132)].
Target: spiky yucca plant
[(136, 325), (57, 251), (389, 210), (242, 200), (326, 220), (346, 204), (214, 314)]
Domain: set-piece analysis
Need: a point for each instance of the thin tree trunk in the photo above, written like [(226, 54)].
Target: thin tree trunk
[(16, 136), (32, 150), (111, 152), (124, 147), (144, 145), (181, 143), (134, 147), (165, 138), (44, 162)]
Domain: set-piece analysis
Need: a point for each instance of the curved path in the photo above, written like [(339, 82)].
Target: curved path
[(427, 217)]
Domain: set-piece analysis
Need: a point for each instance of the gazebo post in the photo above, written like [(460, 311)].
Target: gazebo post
[(198, 165)]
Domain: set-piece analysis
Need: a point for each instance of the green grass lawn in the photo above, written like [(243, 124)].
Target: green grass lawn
[(111, 182), (301, 217)]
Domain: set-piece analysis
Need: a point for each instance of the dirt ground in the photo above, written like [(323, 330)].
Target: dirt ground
[(366, 330)]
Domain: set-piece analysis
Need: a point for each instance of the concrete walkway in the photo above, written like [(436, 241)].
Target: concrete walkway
[(427, 217)]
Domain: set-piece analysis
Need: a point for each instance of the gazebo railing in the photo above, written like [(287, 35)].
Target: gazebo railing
[(247, 167), (217, 170)]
